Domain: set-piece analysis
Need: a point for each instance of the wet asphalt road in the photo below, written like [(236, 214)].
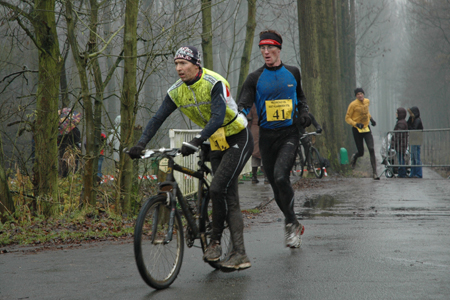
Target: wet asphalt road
[(364, 239)]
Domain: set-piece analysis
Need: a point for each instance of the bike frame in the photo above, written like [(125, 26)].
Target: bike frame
[(170, 188)]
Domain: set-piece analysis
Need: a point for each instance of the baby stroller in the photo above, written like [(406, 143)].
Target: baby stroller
[(389, 158)]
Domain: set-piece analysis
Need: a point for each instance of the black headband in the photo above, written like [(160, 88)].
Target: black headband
[(270, 38)]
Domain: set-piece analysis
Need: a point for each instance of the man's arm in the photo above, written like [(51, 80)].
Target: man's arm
[(248, 93), (348, 116)]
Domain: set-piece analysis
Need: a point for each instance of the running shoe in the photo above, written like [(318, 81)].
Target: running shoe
[(293, 235)]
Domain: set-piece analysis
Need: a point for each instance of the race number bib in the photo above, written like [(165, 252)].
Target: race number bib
[(278, 110), (218, 140), (365, 129)]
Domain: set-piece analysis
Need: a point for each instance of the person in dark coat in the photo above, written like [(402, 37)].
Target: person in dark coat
[(415, 123), (399, 140), (67, 142)]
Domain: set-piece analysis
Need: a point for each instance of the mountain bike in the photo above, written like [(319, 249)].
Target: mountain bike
[(315, 162), (169, 217)]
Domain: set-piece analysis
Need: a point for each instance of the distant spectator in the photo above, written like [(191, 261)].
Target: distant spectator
[(69, 146), (101, 157), (415, 123), (399, 140), (69, 141), (114, 139)]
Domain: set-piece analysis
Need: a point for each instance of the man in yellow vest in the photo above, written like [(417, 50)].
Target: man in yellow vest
[(204, 96)]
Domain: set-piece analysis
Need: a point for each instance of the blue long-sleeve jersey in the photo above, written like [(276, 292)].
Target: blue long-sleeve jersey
[(273, 83)]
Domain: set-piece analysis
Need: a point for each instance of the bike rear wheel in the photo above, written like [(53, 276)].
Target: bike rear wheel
[(297, 168), (158, 259), (206, 227), (316, 162)]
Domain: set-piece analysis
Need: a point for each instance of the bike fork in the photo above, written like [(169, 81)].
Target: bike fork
[(172, 202)]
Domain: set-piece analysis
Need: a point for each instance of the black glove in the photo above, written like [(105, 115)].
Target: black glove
[(136, 151), (319, 130), (372, 121), (185, 150), (305, 119), (359, 125)]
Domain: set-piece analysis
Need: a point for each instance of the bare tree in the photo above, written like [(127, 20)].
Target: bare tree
[(248, 45), (6, 202), (207, 31), (44, 36)]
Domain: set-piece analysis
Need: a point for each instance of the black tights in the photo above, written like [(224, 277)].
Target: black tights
[(278, 149), (359, 140), (227, 166)]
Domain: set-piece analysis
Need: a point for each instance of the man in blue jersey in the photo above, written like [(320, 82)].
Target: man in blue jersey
[(281, 106)]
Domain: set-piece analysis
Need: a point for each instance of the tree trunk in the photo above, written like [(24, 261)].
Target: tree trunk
[(128, 105), (6, 201), (248, 45), (321, 75), (348, 63), (80, 62), (98, 101), (207, 37), (47, 95)]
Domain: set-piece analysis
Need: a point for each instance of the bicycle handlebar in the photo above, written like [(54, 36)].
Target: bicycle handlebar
[(308, 134), (146, 153)]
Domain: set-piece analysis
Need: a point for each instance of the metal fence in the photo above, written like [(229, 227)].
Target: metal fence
[(433, 145), (187, 184)]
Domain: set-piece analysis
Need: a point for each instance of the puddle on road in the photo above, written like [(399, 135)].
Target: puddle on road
[(321, 202), (323, 206), (339, 205)]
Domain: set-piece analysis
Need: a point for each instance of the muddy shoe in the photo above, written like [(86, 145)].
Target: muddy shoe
[(236, 261), (255, 180), (213, 252), (293, 235), (375, 176)]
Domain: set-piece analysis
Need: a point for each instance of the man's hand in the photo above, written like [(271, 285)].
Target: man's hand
[(359, 125), (305, 120), (186, 150), (372, 121), (136, 151), (319, 130)]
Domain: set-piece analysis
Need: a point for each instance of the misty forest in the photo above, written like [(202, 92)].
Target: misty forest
[(105, 59)]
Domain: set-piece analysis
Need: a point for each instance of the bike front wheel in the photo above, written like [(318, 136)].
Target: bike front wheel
[(158, 250), (205, 226), (316, 162)]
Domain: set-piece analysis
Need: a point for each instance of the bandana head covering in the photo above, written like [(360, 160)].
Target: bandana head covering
[(189, 53)]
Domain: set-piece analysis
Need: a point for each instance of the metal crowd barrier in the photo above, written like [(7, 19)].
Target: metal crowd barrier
[(187, 184), (433, 144)]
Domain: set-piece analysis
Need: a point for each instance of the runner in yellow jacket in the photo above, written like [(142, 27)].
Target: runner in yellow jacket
[(358, 116)]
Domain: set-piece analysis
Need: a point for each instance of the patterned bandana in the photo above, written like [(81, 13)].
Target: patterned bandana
[(189, 53)]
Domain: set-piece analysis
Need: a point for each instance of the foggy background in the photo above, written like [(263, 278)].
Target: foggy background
[(402, 59)]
